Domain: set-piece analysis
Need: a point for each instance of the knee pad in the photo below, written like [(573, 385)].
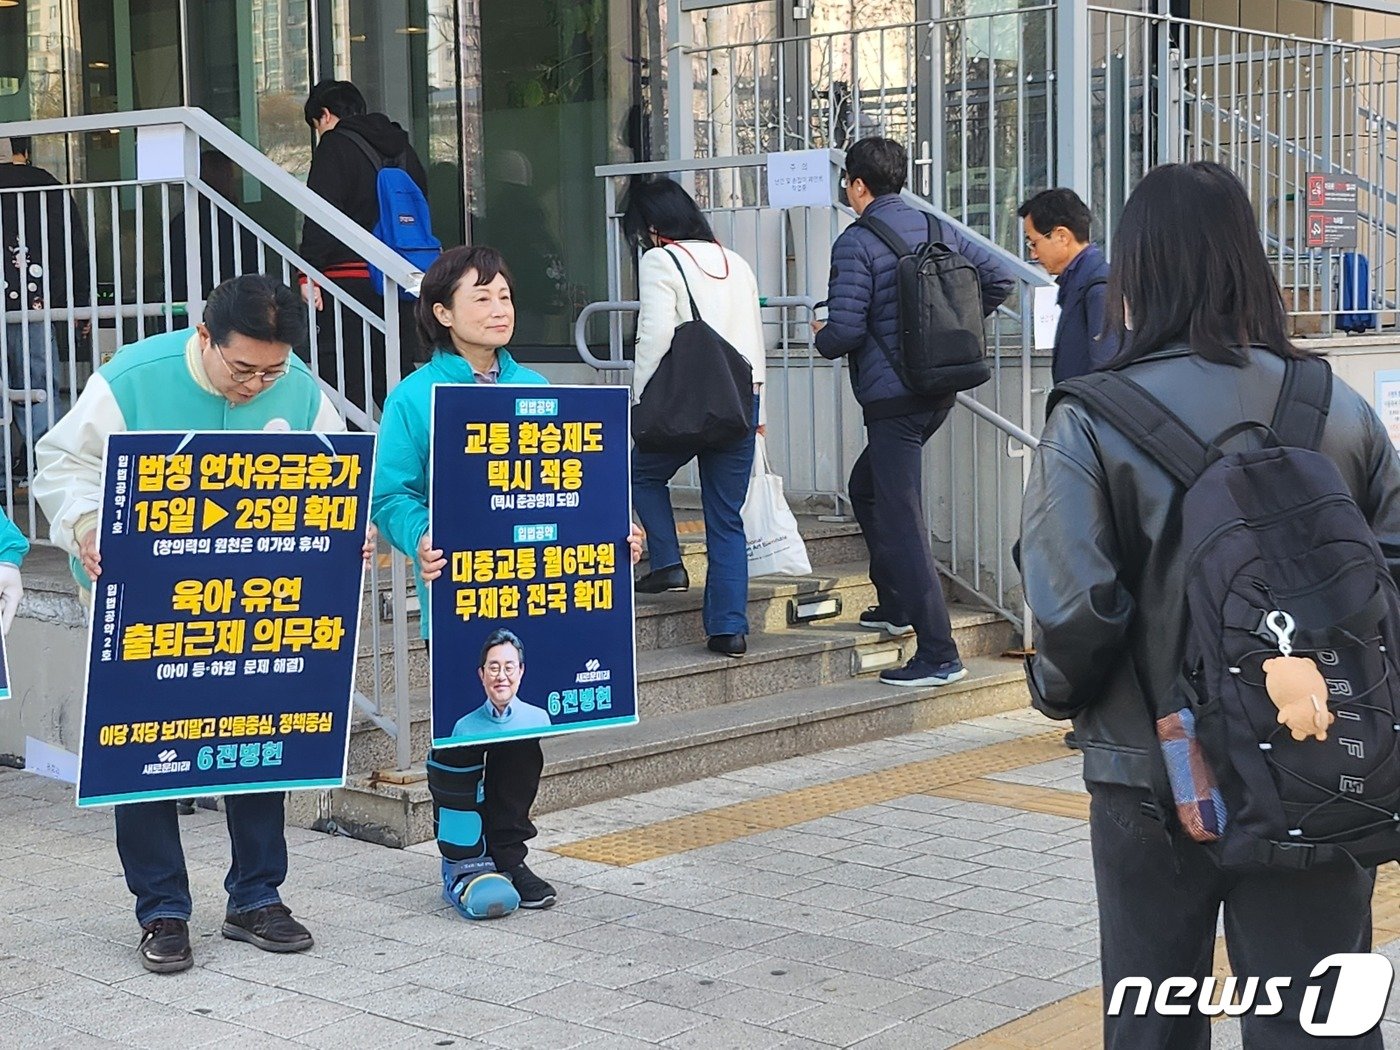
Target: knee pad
[(459, 793)]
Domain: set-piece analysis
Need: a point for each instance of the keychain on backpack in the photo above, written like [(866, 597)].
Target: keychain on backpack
[(1295, 685)]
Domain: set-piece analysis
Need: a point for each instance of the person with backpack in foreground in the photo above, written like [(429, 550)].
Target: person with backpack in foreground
[(353, 146), (904, 401), (1210, 536), (1056, 224)]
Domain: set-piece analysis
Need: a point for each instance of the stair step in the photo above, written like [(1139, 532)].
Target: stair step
[(828, 543), (683, 746), (674, 618), (691, 677)]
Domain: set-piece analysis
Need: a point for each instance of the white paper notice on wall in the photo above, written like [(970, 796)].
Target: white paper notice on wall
[(800, 179), (160, 153), (1047, 315), (50, 761), (1388, 402)]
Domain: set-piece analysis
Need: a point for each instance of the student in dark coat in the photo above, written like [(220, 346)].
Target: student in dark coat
[(1104, 566), (342, 173)]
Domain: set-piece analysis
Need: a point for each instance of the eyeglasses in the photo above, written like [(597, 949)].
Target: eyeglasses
[(1031, 242), (505, 669), (267, 375)]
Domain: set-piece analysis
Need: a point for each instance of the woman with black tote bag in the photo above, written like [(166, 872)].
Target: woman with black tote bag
[(700, 350)]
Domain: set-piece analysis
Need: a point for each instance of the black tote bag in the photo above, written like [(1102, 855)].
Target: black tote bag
[(701, 395)]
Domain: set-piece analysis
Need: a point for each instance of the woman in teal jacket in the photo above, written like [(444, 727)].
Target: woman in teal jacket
[(466, 314)]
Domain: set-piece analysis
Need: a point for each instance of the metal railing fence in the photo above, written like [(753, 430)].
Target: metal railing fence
[(138, 257), (970, 97), (1273, 108)]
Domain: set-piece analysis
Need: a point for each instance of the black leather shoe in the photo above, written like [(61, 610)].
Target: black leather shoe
[(165, 946), (272, 929), (671, 578), (728, 644)]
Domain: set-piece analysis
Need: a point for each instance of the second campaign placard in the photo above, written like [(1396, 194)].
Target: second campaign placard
[(531, 619)]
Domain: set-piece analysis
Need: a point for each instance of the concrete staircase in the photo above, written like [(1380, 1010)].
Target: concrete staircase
[(803, 687)]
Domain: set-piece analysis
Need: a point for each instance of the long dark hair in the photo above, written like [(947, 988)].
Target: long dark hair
[(664, 206), (1188, 261)]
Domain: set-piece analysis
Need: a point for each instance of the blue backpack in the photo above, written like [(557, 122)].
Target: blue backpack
[(404, 222)]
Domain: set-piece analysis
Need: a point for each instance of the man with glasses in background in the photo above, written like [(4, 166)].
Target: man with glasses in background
[(233, 371), (1057, 226)]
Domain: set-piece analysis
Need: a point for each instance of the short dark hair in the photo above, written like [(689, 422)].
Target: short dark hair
[(440, 284), (1205, 282), (21, 144), (341, 97), (501, 636), (1058, 207), (258, 307), (663, 205), (881, 163)]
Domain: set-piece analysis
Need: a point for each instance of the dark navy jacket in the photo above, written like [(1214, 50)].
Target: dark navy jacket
[(1078, 346), (862, 297)]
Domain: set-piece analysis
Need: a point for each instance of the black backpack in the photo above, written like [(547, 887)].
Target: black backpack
[(942, 339), (1282, 563), (701, 395)]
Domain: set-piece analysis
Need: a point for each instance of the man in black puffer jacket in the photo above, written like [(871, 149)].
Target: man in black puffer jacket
[(886, 486), (344, 175)]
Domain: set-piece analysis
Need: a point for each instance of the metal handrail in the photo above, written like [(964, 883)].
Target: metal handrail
[(291, 189), (581, 334)]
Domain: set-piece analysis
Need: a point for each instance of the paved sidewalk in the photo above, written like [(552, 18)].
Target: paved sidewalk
[(928, 891)]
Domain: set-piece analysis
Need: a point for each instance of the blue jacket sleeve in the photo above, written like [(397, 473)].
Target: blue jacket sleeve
[(13, 544), (849, 293), (400, 504), (997, 281), (1103, 348)]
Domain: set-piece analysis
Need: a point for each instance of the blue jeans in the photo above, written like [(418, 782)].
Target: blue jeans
[(36, 373), (148, 843), (724, 482)]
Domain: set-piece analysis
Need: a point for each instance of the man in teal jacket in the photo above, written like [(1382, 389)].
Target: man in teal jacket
[(233, 372)]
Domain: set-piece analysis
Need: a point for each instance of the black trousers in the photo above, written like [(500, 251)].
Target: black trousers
[(887, 494), (512, 781), (348, 330), (1160, 894)]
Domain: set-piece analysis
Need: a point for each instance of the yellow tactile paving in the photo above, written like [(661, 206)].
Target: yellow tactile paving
[(1032, 799), (787, 808), (1076, 1022)]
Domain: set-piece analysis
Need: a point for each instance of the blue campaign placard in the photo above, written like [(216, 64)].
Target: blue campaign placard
[(221, 654), (531, 506)]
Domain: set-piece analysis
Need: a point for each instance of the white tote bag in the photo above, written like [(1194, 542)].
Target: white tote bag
[(774, 544)]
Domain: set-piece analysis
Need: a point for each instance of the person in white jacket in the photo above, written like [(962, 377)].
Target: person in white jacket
[(682, 259)]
